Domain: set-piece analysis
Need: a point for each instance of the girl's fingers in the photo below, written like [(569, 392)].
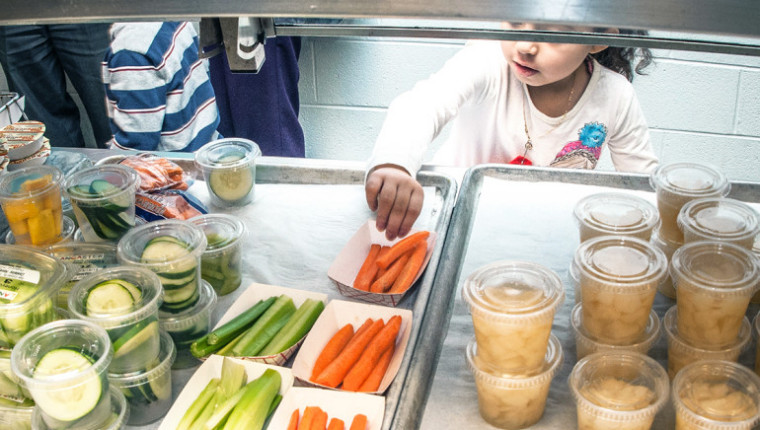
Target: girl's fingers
[(413, 210), (398, 212), (385, 203)]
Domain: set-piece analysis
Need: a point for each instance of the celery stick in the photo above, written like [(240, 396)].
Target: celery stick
[(207, 411), (296, 328), (252, 410), (262, 331), (237, 325), (233, 378), (224, 409), (198, 405), (228, 348)]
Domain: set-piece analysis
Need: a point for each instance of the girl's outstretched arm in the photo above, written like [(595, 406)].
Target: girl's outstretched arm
[(396, 196)]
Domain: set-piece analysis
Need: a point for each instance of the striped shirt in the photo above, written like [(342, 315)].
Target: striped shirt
[(159, 97)]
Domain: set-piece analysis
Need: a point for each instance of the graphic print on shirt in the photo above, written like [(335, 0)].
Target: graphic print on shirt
[(583, 153)]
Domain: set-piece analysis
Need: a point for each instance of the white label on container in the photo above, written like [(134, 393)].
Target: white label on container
[(20, 273)]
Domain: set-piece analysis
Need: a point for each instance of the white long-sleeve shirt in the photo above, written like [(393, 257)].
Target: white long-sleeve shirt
[(477, 91)]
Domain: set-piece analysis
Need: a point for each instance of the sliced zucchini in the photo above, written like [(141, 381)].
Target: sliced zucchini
[(164, 250), (142, 336), (118, 201), (80, 399), (231, 184), (109, 298)]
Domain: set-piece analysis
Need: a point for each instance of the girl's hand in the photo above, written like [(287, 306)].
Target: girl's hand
[(397, 198)]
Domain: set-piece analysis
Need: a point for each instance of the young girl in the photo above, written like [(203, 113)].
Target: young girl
[(518, 102)]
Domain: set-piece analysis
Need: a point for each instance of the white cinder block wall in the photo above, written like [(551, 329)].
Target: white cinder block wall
[(700, 107)]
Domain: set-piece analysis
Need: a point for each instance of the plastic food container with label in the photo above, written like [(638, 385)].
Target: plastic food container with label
[(221, 262), (585, 344), (31, 201), (615, 214), (82, 259), (189, 325), (721, 219), (513, 305), (229, 169)]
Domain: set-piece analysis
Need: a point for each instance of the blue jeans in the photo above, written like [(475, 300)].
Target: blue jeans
[(37, 59)]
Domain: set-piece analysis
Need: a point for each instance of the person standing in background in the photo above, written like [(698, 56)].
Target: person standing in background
[(38, 58)]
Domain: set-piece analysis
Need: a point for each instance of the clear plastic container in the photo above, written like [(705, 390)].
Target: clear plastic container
[(31, 200), (171, 249), (513, 401), (620, 390), (716, 395), (190, 325), (82, 259), (67, 391), (721, 219), (103, 201), (681, 352), (714, 283), (16, 417), (669, 248), (619, 277), (513, 305), (221, 263), (15, 404), (618, 214), (229, 169), (149, 392), (679, 183), (67, 234), (124, 300), (29, 280), (585, 344), (575, 279), (116, 421)]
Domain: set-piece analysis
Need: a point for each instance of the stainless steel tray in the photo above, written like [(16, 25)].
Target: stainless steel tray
[(304, 211), (521, 213)]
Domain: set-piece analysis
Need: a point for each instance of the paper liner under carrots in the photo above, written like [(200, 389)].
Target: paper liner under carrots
[(252, 295), (212, 368), (346, 265), (338, 404), (337, 314)]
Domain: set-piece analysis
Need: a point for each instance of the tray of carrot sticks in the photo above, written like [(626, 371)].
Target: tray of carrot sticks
[(305, 408)]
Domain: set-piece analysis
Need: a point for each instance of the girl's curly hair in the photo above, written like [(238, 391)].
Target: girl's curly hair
[(621, 60)]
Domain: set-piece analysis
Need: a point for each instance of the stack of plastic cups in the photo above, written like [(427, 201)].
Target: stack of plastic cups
[(618, 390), (63, 365), (714, 283), (514, 356), (618, 278), (716, 395), (669, 248)]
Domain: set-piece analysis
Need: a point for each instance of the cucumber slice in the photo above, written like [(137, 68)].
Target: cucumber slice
[(77, 401), (82, 191), (133, 289), (141, 336), (119, 201), (164, 248), (231, 184), (109, 298)]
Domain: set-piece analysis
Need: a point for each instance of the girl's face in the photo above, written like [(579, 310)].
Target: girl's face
[(539, 63)]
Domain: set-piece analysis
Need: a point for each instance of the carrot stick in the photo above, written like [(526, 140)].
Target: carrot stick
[(401, 247), (368, 270), (336, 424), (409, 272), (371, 355), (383, 283), (319, 422), (372, 383), (334, 373), (308, 417), (293, 423), (367, 324), (359, 422), (331, 350), (384, 250)]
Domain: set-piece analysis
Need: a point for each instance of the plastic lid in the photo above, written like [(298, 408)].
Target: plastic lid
[(717, 267), (675, 341), (493, 376), (648, 338), (619, 385), (188, 318), (122, 178), (222, 230), (513, 289), (131, 245), (690, 180), (35, 275), (67, 233), (117, 419), (621, 263), (616, 213), (163, 363), (719, 219), (85, 257), (11, 183), (713, 393), (230, 152)]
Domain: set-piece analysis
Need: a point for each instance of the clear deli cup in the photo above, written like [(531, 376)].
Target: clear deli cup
[(682, 353), (221, 262), (171, 249), (615, 214), (619, 277), (513, 305), (620, 390), (714, 283), (229, 169), (669, 248), (679, 183), (82, 259), (586, 344), (103, 201), (721, 219), (716, 395), (149, 391), (513, 401), (117, 420), (124, 300), (189, 325), (31, 201), (63, 366)]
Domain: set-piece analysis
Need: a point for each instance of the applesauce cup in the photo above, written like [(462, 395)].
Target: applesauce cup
[(31, 200), (682, 353), (669, 248), (714, 283), (124, 300), (721, 219), (716, 395), (513, 401), (513, 305), (620, 390), (575, 279), (679, 183), (63, 365), (229, 169), (585, 344), (617, 214), (221, 262), (619, 277)]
